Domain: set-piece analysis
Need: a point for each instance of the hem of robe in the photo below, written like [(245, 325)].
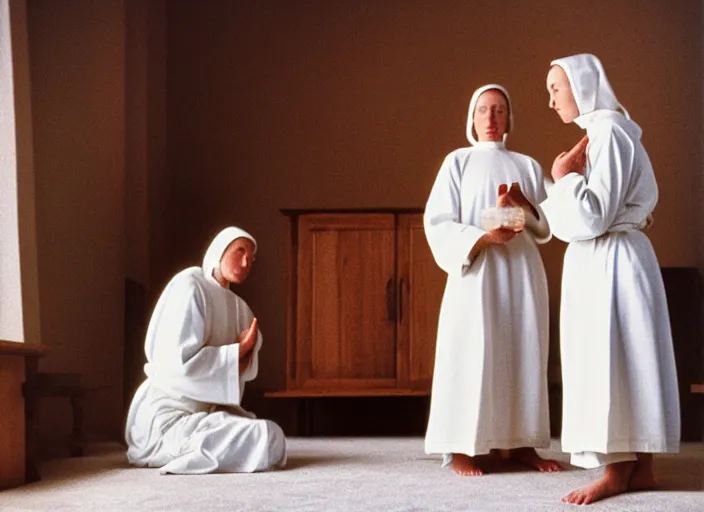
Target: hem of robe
[(140, 449), (485, 447), (179, 465), (164, 470), (593, 460), (671, 445)]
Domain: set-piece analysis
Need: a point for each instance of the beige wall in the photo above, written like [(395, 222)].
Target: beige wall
[(355, 103), (77, 72)]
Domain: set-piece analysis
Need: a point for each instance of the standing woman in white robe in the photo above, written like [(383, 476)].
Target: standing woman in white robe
[(619, 378), (202, 346), (490, 377)]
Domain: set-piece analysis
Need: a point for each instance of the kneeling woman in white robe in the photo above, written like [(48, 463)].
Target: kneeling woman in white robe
[(619, 379), (490, 378), (202, 346)]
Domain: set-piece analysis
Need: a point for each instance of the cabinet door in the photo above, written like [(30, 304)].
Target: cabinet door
[(346, 301), (421, 285)]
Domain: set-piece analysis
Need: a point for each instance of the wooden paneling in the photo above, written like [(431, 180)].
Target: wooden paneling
[(346, 278), (421, 285), (364, 299)]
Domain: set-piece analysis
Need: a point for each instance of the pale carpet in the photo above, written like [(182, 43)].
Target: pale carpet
[(342, 474)]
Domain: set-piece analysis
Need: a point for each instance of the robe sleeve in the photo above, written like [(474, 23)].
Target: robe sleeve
[(179, 360), (251, 371), (580, 208), (244, 316), (450, 241), (539, 228)]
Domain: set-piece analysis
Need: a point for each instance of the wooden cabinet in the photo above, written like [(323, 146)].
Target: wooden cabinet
[(364, 299)]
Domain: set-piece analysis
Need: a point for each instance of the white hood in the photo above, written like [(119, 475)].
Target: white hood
[(211, 261), (473, 105), (592, 90)]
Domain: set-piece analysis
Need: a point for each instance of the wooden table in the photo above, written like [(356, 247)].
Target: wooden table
[(18, 364)]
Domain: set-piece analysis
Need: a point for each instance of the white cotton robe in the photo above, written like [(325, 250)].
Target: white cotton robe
[(490, 377), (618, 368), (186, 417)]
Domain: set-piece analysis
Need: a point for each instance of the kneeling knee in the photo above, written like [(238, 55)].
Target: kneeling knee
[(276, 440)]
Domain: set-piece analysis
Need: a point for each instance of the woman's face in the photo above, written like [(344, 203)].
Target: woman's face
[(561, 98), (236, 261), (490, 116)]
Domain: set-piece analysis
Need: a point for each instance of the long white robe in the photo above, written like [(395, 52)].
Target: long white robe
[(186, 416), (490, 377), (618, 368)]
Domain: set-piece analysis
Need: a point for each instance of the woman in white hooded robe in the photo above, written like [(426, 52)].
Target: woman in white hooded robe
[(490, 378), (202, 346), (620, 399)]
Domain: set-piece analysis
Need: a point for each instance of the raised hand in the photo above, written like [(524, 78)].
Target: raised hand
[(514, 197), (649, 221), (247, 339), (573, 160), (503, 199), (245, 362), (580, 162)]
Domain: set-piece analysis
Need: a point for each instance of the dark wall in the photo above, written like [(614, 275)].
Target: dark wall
[(77, 75)]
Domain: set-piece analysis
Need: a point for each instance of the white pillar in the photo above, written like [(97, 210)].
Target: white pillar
[(19, 295)]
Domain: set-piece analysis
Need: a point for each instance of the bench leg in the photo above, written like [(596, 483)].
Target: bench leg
[(76, 441), (31, 427)]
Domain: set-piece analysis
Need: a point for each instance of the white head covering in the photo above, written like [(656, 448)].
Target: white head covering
[(592, 90), (222, 240), (473, 105)]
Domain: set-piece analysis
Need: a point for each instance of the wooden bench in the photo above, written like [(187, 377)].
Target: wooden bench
[(18, 461)]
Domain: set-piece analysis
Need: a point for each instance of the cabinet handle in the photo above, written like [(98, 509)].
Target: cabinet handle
[(400, 300), (390, 300)]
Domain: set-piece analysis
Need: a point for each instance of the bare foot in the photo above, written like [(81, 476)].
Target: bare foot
[(615, 481), (643, 478), (464, 465), (529, 457)]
